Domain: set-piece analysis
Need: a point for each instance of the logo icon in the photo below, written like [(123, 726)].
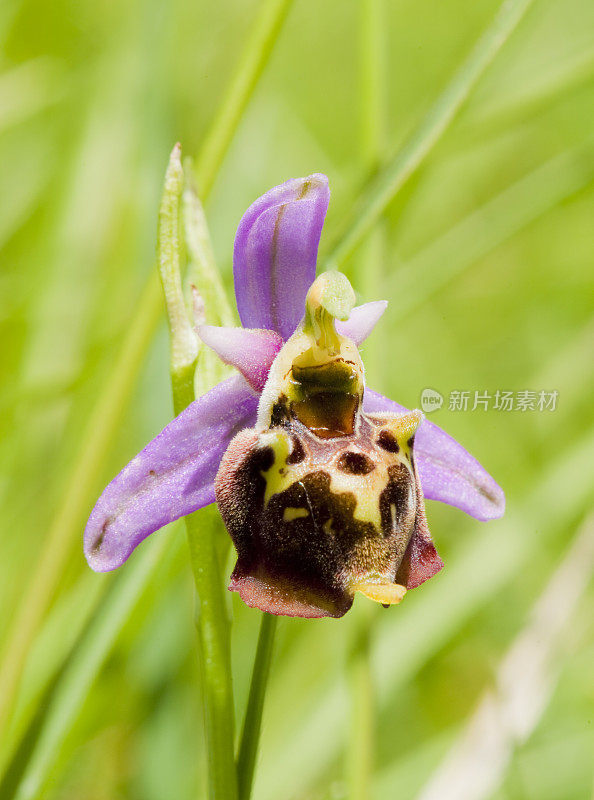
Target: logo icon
[(431, 400)]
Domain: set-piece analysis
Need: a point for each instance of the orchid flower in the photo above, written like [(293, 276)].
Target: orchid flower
[(320, 481)]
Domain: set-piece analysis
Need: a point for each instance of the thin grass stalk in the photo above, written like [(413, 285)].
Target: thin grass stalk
[(251, 65), (489, 226), (107, 414), (212, 622), (250, 734), (389, 182), (30, 765), (525, 681), (360, 744)]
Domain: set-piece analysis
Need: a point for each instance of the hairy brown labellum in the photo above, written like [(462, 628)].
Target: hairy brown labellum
[(322, 500)]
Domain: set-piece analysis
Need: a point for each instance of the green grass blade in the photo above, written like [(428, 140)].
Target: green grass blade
[(383, 190), (487, 227), (525, 680), (247, 74), (47, 731), (64, 530)]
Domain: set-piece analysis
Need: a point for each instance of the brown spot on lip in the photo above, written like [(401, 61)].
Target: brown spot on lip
[(264, 459), (280, 412), (297, 454), (355, 463), (388, 442)]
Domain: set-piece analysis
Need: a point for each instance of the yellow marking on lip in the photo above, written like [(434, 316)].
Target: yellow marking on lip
[(291, 513), (366, 489), (405, 426), (385, 593), (275, 477)]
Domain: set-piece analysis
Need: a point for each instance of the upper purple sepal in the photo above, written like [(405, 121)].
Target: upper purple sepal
[(171, 477), (276, 249), (447, 471)]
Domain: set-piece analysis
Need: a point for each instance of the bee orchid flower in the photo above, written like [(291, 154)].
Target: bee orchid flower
[(320, 481)]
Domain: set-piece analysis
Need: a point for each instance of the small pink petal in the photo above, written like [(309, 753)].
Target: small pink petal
[(250, 350), (362, 321)]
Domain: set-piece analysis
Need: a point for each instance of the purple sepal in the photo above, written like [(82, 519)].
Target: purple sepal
[(447, 471), (276, 248), (362, 321), (171, 477), (250, 350)]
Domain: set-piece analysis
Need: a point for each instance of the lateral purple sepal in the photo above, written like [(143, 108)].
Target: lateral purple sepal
[(362, 321), (171, 477), (275, 254), (448, 472), (250, 350)]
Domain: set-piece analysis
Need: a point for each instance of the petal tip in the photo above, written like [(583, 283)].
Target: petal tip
[(249, 350), (495, 497), (448, 472), (317, 180), (275, 253), (101, 546), (362, 320), (273, 598)]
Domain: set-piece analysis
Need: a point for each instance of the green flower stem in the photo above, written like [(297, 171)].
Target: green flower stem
[(250, 734), (213, 626), (212, 622), (63, 535)]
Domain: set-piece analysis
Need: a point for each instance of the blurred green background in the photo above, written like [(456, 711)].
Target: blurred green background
[(486, 257)]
